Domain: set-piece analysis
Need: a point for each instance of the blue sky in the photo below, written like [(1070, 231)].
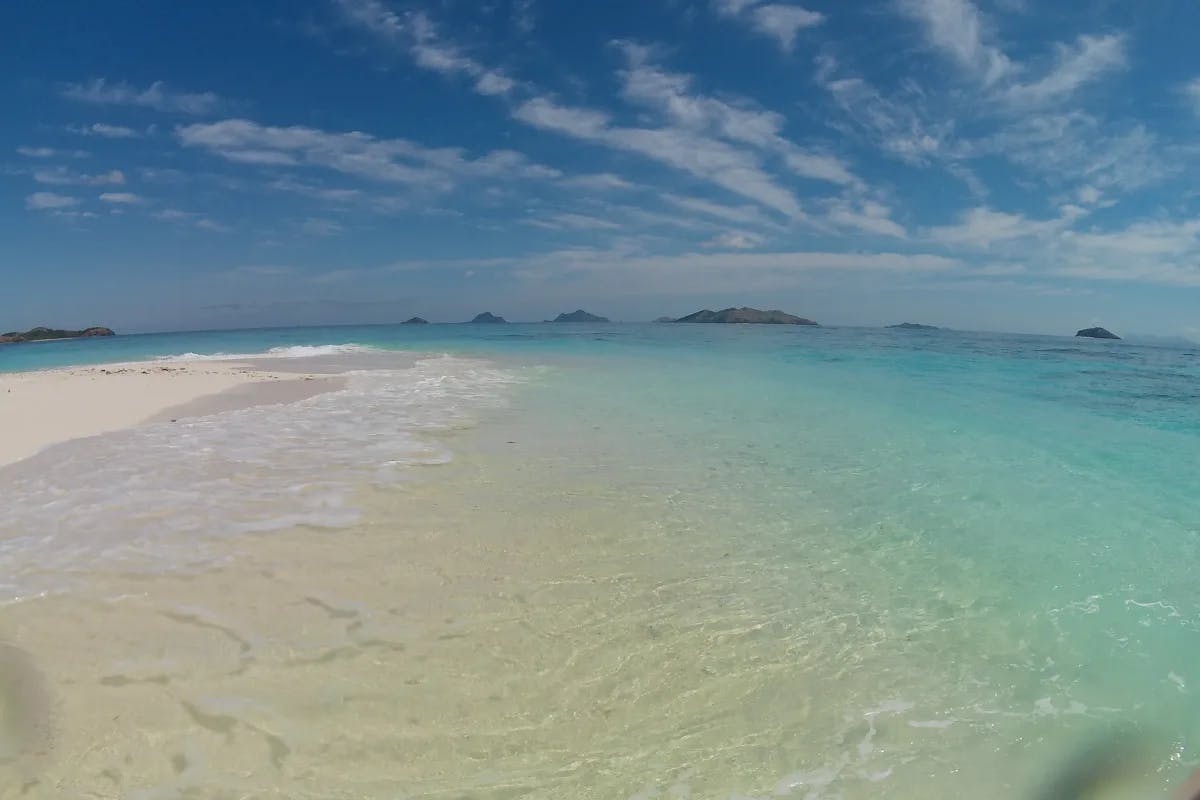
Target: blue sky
[(998, 164)]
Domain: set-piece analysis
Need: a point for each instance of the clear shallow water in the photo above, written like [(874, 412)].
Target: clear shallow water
[(901, 564)]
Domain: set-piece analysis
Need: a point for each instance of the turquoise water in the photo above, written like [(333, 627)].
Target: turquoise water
[(960, 552)]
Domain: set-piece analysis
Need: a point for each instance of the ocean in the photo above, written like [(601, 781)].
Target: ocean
[(628, 561)]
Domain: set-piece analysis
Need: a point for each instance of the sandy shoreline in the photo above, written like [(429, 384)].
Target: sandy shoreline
[(46, 407)]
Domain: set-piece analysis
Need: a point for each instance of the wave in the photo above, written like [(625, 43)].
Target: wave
[(166, 489), (292, 351)]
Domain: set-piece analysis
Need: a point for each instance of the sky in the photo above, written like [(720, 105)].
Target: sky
[(982, 164)]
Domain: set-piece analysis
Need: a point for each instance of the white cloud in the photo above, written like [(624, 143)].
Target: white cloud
[(957, 28), (37, 152), (106, 131), (895, 125), (42, 201), (50, 152), (1165, 252), (735, 240), (274, 158), (783, 23), (742, 215), (982, 227), (728, 167), (416, 33), (868, 216), (121, 198), (355, 153), (335, 195), (671, 95), (1089, 195), (732, 8), (603, 181), (778, 21), (1078, 148), (1154, 239), (192, 218), (61, 176), (572, 221), (492, 83), (703, 136), (725, 144), (157, 96), (175, 215), (1075, 65)]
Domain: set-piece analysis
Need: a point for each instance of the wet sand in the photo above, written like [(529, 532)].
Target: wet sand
[(46, 407)]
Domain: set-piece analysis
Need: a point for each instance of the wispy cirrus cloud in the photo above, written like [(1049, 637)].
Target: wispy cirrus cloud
[(601, 181), (1075, 147), (739, 215), (958, 29), (711, 139), (1075, 65), (715, 140), (571, 221), (706, 158), (157, 96), (647, 84), (355, 153), (897, 125), (416, 33)]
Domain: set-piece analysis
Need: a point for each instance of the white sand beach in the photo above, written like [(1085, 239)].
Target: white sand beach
[(46, 407)]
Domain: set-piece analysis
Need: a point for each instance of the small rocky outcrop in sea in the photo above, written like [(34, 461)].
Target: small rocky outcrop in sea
[(915, 326), (415, 321), (43, 334), (746, 315), (1097, 333), (489, 318), (579, 315)]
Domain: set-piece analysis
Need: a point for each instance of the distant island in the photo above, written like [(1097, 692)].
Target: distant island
[(489, 318), (48, 334), (746, 315), (915, 326), (579, 315), (1097, 333), (665, 319), (415, 321)]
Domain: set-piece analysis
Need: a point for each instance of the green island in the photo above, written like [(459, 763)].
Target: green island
[(49, 334)]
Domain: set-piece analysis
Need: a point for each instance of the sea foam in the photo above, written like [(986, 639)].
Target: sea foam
[(294, 351), (150, 497)]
